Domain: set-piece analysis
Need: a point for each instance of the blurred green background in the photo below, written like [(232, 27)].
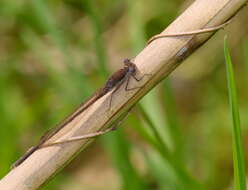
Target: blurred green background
[(54, 54)]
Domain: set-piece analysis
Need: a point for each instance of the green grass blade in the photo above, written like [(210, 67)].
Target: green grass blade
[(97, 29), (120, 150), (154, 130), (238, 155), (173, 120), (183, 176)]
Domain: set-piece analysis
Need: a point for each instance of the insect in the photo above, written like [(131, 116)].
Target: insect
[(115, 80), (123, 75)]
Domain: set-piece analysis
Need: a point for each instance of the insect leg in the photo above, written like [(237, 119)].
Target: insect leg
[(137, 87)]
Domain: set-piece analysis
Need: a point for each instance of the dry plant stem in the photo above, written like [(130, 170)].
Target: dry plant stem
[(159, 59), (96, 134)]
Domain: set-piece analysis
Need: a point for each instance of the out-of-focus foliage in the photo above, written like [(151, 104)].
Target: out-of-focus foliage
[(54, 54)]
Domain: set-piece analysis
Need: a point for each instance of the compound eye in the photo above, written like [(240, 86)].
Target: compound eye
[(126, 61)]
